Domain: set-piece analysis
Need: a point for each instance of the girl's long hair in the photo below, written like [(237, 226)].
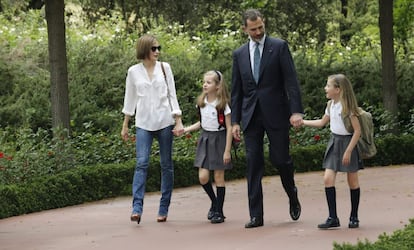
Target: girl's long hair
[(223, 96), (347, 95)]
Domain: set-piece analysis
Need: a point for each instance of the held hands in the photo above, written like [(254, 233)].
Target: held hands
[(296, 120), (178, 131), (178, 128)]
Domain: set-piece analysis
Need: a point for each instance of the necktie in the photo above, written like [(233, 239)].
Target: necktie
[(256, 63)]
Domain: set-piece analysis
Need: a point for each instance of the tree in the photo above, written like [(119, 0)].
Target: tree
[(389, 83), (58, 63), (404, 24)]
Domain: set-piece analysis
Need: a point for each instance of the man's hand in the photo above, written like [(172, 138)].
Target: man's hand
[(235, 131), (296, 120)]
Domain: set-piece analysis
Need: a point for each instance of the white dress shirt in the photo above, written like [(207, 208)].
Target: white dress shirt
[(148, 99), (252, 47)]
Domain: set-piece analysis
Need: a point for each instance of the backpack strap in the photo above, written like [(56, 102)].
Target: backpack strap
[(199, 115), (328, 107), (221, 118)]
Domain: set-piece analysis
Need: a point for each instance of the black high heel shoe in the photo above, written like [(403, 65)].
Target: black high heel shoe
[(136, 217)]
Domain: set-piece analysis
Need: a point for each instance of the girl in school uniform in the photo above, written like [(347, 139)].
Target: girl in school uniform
[(214, 143), (341, 154)]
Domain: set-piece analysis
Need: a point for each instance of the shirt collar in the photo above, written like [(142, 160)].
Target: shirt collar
[(253, 43), (214, 103)]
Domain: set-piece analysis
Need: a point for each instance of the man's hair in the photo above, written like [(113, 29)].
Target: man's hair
[(252, 15)]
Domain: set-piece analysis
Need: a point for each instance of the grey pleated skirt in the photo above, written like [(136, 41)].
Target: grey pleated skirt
[(210, 150), (335, 151)]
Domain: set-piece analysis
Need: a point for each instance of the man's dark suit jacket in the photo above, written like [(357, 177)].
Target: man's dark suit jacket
[(277, 92)]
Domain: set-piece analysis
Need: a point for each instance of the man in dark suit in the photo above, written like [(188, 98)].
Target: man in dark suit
[(266, 98)]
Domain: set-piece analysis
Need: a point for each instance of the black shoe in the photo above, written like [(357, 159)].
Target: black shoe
[(353, 222), (295, 208), (217, 218), (295, 211), (210, 214), (254, 222), (330, 222)]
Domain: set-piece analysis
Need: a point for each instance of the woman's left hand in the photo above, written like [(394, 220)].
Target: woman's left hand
[(178, 129)]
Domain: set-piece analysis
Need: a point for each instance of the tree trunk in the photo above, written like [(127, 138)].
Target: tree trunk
[(55, 18), (389, 84), (343, 24)]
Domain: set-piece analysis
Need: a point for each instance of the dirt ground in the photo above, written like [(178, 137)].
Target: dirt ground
[(387, 202)]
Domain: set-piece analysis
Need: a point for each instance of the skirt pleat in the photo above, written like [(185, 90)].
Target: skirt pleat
[(210, 150), (335, 151)]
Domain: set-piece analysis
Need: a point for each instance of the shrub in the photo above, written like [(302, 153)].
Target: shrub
[(89, 183), (402, 239)]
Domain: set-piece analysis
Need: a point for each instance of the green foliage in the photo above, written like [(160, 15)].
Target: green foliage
[(67, 188), (94, 182), (26, 155), (402, 239), (100, 54)]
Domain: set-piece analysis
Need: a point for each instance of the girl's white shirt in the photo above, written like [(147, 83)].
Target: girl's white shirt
[(148, 99), (208, 115), (336, 123)]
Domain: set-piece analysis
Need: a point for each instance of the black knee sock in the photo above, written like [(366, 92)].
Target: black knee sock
[(210, 192), (221, 191), (355, 194), (331, 199)]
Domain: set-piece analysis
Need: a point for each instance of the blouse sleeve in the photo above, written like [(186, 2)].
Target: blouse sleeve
[(130, 99), (173, 93)]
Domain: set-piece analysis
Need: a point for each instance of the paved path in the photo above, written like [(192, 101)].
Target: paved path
[(387, 203)]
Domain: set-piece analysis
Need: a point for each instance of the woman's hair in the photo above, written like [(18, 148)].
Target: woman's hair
[(347, 95), (223, 96), (143, 47)]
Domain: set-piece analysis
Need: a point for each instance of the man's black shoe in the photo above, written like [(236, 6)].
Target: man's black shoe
[(330, 222), (295, 208), (254, 222)]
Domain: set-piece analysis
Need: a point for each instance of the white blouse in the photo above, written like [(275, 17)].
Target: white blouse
[(335, 119), (148, 99)]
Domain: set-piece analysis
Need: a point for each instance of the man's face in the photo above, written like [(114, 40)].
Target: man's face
[(255, 29)]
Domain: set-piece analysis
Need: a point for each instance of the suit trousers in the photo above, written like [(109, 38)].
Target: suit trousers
[(279, 156)]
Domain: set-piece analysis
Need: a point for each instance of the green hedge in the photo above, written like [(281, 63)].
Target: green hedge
[(400, 240), (103, 181)]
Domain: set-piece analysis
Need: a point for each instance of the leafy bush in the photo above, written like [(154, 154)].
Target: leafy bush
[(400, 239), (88, 183), (99, 56)]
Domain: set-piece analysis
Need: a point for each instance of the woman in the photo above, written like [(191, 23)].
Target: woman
[(150, 95)]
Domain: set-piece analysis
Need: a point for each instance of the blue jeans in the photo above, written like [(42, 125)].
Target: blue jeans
[(144, 141)]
